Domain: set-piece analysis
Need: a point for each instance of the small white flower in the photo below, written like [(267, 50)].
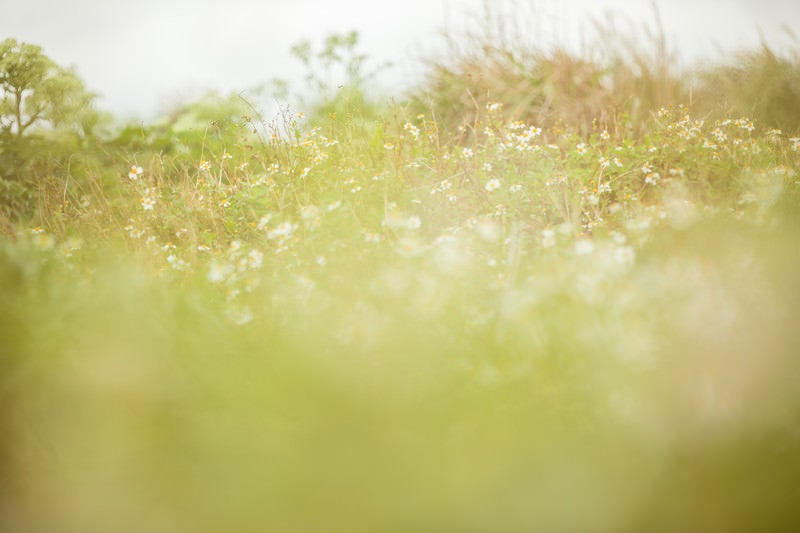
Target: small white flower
[(548, 238), (218, 272), (135, 172), (255, 258), (492, 185), (148, 203), (624, 255), (414, 222)]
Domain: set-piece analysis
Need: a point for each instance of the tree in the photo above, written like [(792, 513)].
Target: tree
[(46, 114), (35, 90)]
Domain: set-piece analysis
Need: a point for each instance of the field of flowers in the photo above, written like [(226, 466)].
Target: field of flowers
[(519, 329), (540, 294)]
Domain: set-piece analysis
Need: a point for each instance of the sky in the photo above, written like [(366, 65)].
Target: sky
[(144, 57)]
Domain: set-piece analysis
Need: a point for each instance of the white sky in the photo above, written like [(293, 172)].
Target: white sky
[(142, 56)]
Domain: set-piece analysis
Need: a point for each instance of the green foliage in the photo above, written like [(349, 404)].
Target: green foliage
[(48, 126), (338, 83)]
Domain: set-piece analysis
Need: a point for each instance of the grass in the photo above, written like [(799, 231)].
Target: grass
[(503, 326)]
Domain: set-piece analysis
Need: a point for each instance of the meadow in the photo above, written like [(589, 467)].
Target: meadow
[(539, 294)]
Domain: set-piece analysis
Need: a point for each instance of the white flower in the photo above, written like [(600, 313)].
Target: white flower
[(255, 258), (624, 255), (218, 272), (548, 238), (492, 185), (135, 172), (263, 221), (414, 222), (284, 229), (148, 203)]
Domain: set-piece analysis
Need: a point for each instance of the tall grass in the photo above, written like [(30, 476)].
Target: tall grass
[(624, 71)]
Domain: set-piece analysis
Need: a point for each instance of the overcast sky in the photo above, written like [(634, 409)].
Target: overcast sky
[(141, 56)]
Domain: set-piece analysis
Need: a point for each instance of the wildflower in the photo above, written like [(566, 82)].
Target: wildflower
[(148, 203), (624, 255), (204, 166), (333, 206), (176, 263), (618, 237), (492, 185), (242, 166), (604, 162), (255, 258), (219, 272), (652, 178), (795, 143), (605, 136), (283, 230), (311, 216), (135, 172), (263, 221), (617, 162), (548, 238), (414, 222), (305, 172), (487, 167), (515, 188), (372, 238), (41, 239), (580, 148), (388, 146), (412, 130), (676, 172), (467, 153), (492, 107), (226, 156)]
